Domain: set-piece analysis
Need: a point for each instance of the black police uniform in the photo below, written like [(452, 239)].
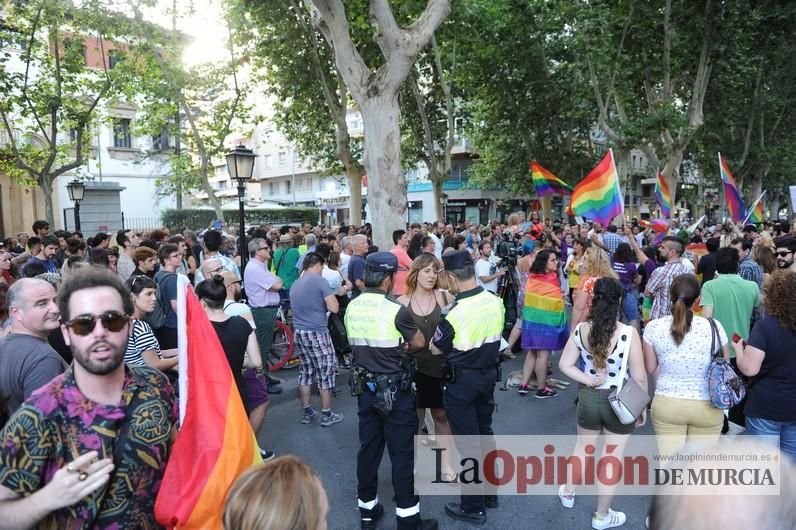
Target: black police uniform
[(386, 410), (470, 375)]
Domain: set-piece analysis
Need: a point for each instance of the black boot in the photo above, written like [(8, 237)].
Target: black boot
[(369, 518), (416, 523)]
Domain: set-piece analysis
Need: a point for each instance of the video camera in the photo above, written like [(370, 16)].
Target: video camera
[(508, 249)]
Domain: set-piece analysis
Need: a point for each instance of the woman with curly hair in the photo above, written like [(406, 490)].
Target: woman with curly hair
[(544, 322), (770, 355), (594, 356), (596, 265)]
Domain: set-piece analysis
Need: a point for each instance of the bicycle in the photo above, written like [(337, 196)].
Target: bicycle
[(282, 345)]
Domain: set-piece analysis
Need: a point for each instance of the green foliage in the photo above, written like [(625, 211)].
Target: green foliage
[(198, 219)]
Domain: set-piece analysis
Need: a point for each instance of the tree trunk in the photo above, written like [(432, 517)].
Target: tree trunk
[(436, 192), (386, 182), (46, 185), (355, 195)]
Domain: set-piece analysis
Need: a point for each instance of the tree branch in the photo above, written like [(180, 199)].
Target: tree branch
[(695, 116), (329, 17), (667, 51), (28, 59), (20, 162)]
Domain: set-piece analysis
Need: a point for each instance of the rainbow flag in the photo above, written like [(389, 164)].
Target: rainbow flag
[(733, 198), (663, 195), (597, 197), (659, 225), (755, 214), (544, 316), (546, 183), (215, 443)]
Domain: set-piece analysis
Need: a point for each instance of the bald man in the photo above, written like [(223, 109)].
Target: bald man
[(28, 362)]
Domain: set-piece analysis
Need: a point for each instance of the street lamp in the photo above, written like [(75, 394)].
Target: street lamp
[(76, 189), (240, 165)]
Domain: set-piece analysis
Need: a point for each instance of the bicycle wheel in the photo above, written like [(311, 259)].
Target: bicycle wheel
[(281, 348)]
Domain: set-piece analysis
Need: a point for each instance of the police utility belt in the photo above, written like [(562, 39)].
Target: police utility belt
[(385, 386), (450, 372)]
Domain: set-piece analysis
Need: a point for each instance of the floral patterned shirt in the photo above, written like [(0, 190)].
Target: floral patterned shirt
[(58, 423)]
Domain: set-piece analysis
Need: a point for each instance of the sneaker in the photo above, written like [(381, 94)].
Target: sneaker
[(331, 419), (267, 455), (545, 393), (369, 518), (306, 419), (567, 498), (611, 520), (523, 390)]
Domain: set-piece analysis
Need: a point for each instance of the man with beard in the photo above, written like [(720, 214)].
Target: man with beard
[(89, 449), (670, 252), (786, 252), (28, 362)]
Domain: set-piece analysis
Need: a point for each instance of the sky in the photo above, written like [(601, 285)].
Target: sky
[(205, 27)]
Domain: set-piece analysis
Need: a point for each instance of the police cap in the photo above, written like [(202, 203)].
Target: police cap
[(458, 259), (382, 261)]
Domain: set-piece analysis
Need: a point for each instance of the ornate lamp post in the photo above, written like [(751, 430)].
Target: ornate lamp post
[(76, 190), (240, 165)]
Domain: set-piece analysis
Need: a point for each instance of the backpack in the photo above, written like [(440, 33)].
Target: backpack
[(157, 318), (726, 389)]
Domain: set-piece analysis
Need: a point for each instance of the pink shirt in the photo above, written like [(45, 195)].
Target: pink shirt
[(404, 262)]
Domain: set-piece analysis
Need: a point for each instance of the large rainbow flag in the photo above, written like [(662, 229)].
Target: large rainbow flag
[(755, 214), (733, 198), (544, 317), (663, 195), (546, 183), (597, 197), (215, 443)]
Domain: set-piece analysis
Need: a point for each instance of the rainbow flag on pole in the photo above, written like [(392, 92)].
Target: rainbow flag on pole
[(215, 443), (597, 197), (663, 195), (755, 214), (546, 183), (733, 198)]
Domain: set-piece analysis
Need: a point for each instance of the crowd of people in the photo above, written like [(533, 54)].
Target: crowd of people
[(89, 338)]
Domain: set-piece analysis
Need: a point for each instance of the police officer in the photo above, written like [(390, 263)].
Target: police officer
[(469, 337), (377, 327)]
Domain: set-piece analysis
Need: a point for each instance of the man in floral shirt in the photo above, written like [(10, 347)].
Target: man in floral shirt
[(88, 449)]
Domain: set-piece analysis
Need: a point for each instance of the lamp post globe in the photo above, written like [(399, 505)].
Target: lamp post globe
[(240, 166), (76, 190)]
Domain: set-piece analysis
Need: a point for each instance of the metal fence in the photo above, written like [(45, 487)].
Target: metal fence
[(141, 223)]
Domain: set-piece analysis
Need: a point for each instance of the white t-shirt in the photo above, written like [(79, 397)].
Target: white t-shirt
[(344, 259), (483, 268), (683, 369), (334, 277)]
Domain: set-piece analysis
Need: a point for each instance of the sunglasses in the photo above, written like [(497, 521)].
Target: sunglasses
[(783, 253), (112, 321)]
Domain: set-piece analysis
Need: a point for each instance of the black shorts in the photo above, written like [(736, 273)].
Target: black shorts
[(429, 391)]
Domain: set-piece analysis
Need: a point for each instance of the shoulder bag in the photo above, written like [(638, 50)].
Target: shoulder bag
[(726, 389), (628, 400)]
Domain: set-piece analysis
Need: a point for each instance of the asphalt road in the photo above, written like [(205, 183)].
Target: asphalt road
[(332, 454)]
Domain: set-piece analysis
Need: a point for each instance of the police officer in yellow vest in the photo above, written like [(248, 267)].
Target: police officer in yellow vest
[(469, 336), (378, 328)]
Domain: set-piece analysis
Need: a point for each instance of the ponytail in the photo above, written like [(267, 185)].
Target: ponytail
[(681, 320), (684, 291)]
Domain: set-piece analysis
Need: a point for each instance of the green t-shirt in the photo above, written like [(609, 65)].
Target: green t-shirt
[(733, 300), (286, 270)]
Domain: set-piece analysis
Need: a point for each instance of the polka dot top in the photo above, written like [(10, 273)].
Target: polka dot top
[(614, 361), (683, 369)]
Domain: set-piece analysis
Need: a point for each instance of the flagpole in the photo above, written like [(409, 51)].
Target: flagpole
[(723, 192), (622, 195), (754, 205)]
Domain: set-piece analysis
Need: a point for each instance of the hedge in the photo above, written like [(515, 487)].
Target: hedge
[(193, 219)]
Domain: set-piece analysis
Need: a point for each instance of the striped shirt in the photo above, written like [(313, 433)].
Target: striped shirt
[(141, 340)]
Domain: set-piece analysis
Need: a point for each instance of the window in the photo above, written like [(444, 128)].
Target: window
[(161, 141), (72, 135), (121, 134), (269, 160), (114, 58), (75, 51), (287, 186), (282, 157), (222, 185), (271, 188)]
